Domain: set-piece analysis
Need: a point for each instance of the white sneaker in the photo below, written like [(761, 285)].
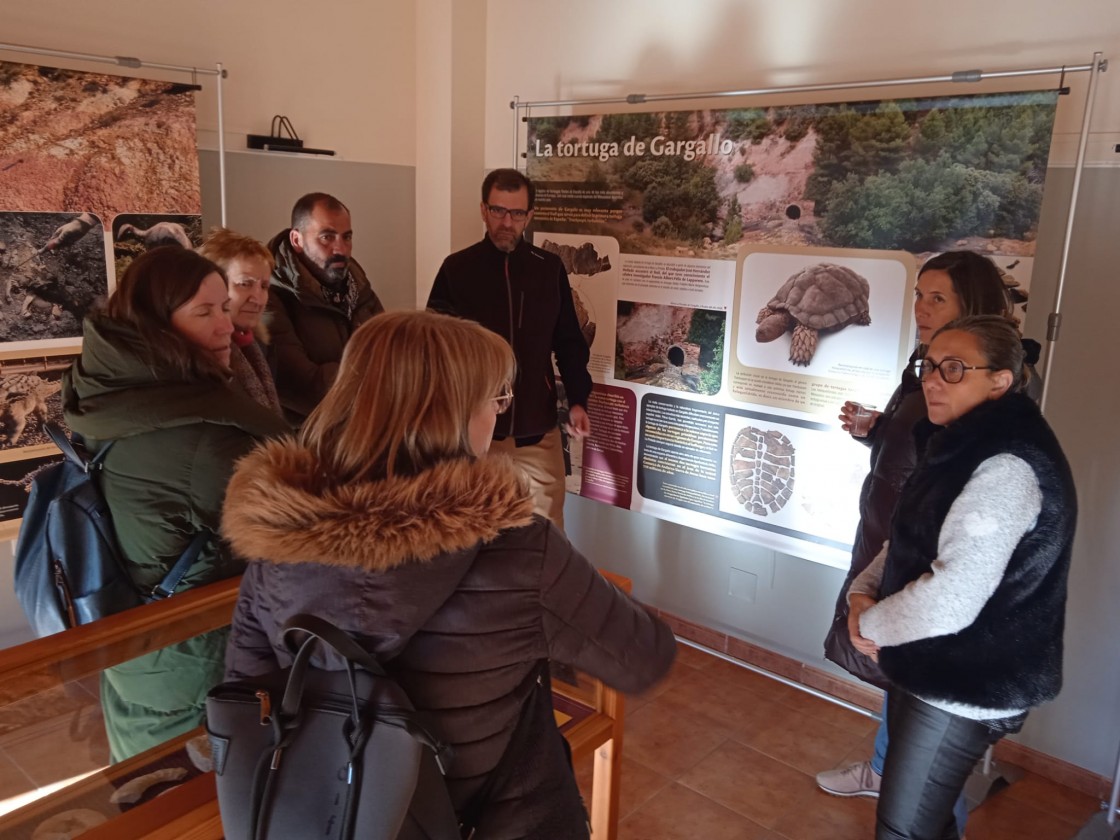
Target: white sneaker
[(854, 780)]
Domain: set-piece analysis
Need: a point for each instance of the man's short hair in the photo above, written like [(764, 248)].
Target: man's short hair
[(303, 209), (508, 180)]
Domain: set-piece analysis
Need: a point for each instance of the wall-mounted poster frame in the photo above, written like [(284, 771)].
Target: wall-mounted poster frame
[(98, 167), (746, 444)]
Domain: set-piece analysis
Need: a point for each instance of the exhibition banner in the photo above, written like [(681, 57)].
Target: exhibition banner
[(94, 169), (739, 274)]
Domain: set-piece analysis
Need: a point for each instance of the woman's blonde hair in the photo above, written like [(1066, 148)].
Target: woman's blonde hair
[(222, 246), (406, 389)]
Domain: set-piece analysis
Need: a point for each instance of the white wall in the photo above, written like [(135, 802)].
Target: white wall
[(342, 71), (582, 49), (451, 96)]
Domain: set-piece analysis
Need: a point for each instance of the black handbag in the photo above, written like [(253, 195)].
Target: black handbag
[(304, 752)]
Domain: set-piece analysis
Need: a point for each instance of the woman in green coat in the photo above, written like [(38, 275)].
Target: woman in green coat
[(153, 380)]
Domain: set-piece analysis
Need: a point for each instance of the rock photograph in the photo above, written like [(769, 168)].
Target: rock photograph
[(52, 272), (94, 142)]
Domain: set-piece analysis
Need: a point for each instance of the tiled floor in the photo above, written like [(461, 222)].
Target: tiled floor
[(715, 751), (48, 740), (722, 753)]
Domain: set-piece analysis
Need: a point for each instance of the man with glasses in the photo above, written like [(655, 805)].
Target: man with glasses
[(318, 296), (522, 293)]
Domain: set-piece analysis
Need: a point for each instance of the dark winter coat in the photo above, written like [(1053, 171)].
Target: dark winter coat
[(1010, 656), (449, 578), (308, 332), (524, 297), (174, 444), (893, 456)]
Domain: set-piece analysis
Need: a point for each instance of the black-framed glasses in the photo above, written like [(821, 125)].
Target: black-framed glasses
[(504, 400), (497, 213), (952, 370)]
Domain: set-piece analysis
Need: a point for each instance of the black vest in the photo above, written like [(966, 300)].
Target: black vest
[(1011, 656)]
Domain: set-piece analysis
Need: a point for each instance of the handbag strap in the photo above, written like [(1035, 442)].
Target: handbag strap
[(87, 464), (342, 643), (166, 587), (339, 640)]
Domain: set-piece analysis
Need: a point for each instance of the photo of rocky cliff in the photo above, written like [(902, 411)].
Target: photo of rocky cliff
[(95, 142), (920, 175)]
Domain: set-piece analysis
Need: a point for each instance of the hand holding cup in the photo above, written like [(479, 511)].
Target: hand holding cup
[(857, 419)]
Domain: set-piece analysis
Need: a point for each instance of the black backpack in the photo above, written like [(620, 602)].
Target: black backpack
[(304, 752), (69, 569)]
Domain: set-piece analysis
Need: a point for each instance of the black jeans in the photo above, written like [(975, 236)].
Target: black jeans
[(930, 757)]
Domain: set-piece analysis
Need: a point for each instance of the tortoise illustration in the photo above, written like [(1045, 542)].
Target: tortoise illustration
[(762, 470), (819, 298)]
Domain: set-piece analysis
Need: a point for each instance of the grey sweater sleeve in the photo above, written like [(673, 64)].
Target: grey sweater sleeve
[(998, 505), (867, 582)]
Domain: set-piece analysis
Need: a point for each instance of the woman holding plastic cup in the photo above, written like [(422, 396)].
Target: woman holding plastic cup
[(949, 286), (964, 607)]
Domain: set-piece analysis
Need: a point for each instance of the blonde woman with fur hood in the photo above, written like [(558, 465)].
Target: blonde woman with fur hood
[(387, 517)]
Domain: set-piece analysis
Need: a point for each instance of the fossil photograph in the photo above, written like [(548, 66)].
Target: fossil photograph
[(581, 262), (762, 470), (52, 272), (15, 486), (581, 259), (30, 396), (135, 233)]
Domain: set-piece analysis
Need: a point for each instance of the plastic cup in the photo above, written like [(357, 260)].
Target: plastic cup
[(861, 420)]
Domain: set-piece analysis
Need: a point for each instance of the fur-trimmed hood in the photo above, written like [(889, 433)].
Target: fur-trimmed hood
[(278, 509), (452, 583)]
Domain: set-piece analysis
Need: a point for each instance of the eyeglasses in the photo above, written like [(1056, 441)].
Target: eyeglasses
[(497, 213), (504, 400), (951, 370)]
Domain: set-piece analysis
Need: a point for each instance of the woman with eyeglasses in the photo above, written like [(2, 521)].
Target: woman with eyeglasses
[(949, 286), (387, 517), (964, 608)]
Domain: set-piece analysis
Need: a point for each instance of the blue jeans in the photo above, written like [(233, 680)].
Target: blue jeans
[(931, 756), (879, 760)]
